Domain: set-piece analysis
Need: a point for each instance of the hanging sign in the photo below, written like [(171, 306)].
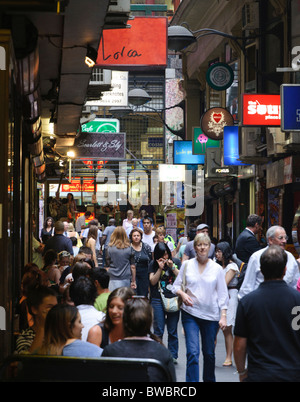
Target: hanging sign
[(101, 126), (201, 142), (223, 170), (290, 107), (214, 121), (231, 146), (219, 76), (183, 154), (261, 110), (135, 46), (101, 146)]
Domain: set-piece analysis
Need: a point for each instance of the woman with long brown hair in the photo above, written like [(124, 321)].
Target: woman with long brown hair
[(91, 242), (111, 328), (63, 334), (120, 260)]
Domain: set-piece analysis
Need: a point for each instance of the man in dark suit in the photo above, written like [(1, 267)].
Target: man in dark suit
[(59, 242), (246, 243)]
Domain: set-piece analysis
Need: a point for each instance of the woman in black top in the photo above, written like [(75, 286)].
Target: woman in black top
[(47, 230), (111, 329), (139, 342), (163, 270), (142, 258)]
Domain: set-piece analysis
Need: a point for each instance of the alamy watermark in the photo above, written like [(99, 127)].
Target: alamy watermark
[(147, 186), (296, 320), (2, 319), (2, 58)]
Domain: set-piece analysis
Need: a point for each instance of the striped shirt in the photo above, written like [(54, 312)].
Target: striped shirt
[(24, 340)]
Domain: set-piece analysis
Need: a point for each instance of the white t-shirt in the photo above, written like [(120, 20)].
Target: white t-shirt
[(89, 317), (148, 238)]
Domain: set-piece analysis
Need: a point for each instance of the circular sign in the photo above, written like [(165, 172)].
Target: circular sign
[(213, 122), (219, 76)]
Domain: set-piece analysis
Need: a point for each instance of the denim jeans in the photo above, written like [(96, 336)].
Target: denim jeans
[(208, 330), (171, 319)]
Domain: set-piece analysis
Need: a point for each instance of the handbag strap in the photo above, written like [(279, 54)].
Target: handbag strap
[(184, 276)]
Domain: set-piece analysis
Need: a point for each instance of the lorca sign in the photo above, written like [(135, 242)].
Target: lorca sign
[(261, 110)]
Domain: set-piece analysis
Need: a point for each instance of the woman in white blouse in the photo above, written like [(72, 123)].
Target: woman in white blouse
[(205, 299), (231, 271)]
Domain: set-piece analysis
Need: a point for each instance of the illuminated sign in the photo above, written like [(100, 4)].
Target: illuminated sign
[(290, 107), (167, 173), (101, 126), (201, 142), (213, 122), (223, 170), (261, 110), (75, 186), (231, 146), (136, 46), (183, 154)]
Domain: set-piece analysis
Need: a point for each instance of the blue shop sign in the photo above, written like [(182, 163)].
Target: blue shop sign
[(183, 154), (231, 146), (290, 107)]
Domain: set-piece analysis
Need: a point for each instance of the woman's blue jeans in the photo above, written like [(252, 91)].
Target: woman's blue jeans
[(208, 330), (171, 319)]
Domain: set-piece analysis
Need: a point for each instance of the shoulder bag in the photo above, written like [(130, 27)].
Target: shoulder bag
[(172, 304)]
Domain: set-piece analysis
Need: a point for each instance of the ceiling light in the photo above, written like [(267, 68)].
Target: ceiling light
[(91, 56), (71, 154)]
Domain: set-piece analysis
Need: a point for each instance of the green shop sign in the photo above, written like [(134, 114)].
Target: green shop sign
[(101, 126), (201, 142)]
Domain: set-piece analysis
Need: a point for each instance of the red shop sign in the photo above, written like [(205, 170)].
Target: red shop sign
[(261, 110), (143, 44)]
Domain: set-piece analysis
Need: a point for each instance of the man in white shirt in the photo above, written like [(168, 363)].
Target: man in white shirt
[(148, 232), (83, 292), (80, 222), (253, 276)]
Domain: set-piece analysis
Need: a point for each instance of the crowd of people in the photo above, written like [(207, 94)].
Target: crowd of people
[(106, 297)]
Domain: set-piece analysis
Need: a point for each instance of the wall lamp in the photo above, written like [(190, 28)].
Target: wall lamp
[(91, 56), (179, 37), (138, 97)]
